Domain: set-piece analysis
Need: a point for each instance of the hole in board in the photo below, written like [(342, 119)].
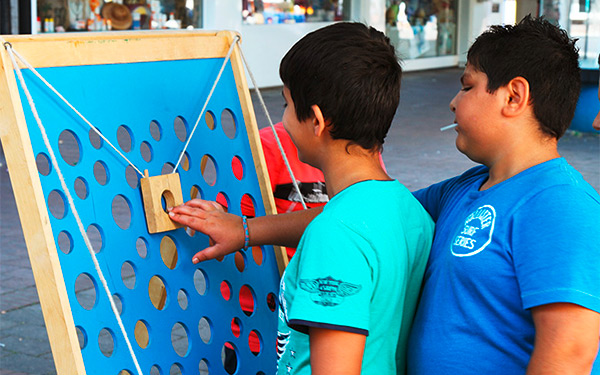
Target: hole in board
[(69, 147), (179, 339), (157, 292), (85, 291), (204, 329)]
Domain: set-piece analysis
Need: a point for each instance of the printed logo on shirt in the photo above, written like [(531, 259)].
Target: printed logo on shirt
[(329, 291), (476, 233)]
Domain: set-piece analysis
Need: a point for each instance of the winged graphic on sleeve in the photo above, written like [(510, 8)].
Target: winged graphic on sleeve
[(329, 291)]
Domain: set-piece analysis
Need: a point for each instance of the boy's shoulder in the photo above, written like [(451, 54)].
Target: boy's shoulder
[(367, 205)]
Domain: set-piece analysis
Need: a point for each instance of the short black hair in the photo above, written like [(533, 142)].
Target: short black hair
[(352, 73), (545, 56)]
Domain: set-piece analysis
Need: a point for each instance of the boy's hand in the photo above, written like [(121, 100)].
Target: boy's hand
[(225, 231)]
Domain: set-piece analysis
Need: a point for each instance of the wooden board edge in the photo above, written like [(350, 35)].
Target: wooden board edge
[(118, 47), (36, 227), (254, 139)]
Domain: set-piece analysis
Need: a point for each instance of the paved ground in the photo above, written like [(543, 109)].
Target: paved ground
[(416, 153)]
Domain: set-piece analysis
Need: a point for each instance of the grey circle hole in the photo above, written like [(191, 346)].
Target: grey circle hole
[(208, 168), (65, 242), (167, 168), (128, 275), (155, 130), (121, 211), (101, 172), (125, 138), (69, 147), (118, 303), (203, 367), (181, 128), (175, 369), (205, 329), (141, 245), (200, 282), (106, 342), (146, 151), (96, 236), (57, 204), (179, 339), (81, 187), (43, 164), (228, 123), (182, 299), (81, 337), (132, 177), (86, 291), (95, 140)]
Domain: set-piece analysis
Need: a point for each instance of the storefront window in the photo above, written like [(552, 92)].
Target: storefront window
[(258, 12), (99, 15), (422, 28), (581, 19)]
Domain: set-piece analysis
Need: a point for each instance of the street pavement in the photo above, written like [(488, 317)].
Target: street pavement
[(416, 152)]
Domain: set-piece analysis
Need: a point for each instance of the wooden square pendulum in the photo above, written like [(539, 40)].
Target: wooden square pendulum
[(158, 194)]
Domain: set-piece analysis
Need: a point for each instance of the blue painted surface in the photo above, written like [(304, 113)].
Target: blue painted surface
[(587, 108), (588, 104), (134, 95)]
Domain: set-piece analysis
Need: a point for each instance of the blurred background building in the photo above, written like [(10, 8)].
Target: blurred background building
[(427, 33)]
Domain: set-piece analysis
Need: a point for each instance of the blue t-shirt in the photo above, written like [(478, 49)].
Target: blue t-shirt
[(528, 241), (358, 268)]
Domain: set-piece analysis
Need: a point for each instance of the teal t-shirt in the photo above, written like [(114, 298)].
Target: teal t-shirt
[(358, 268)]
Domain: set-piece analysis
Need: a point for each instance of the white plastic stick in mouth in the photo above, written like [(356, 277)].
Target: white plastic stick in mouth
[(447, 127)]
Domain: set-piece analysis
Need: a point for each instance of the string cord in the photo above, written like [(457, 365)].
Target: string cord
[(281, 150), (63, 184), (49, 85), (212, 90)]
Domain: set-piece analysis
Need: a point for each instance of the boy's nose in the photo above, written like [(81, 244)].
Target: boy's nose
[(452, 106)]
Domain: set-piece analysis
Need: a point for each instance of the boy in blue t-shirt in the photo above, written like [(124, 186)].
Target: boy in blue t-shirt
[(348, 297), (513, 281)]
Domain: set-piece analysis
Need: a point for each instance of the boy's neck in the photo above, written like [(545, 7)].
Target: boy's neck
[(518, 157), (344, 166)]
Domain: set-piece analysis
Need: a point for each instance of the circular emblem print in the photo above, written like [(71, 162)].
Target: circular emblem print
[(476, 233)]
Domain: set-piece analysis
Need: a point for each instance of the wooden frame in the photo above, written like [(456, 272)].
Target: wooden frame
[(94, 49)]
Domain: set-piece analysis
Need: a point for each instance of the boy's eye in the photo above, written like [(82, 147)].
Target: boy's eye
[(465, 88), (284, 105)]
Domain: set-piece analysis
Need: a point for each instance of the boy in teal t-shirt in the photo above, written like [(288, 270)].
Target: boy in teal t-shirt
[(358, 269), (348, 297)]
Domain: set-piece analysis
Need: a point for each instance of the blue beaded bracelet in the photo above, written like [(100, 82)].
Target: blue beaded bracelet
[(246, 233)]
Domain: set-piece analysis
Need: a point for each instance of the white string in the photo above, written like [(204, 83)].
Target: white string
[(281, 150), (212, 90), (63, 184), (31, 68)]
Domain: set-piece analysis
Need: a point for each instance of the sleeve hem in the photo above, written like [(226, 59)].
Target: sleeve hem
[(562, 295), (302, 326)]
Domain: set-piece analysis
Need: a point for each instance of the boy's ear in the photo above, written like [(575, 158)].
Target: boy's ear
[(319, 123), (517, 97)]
